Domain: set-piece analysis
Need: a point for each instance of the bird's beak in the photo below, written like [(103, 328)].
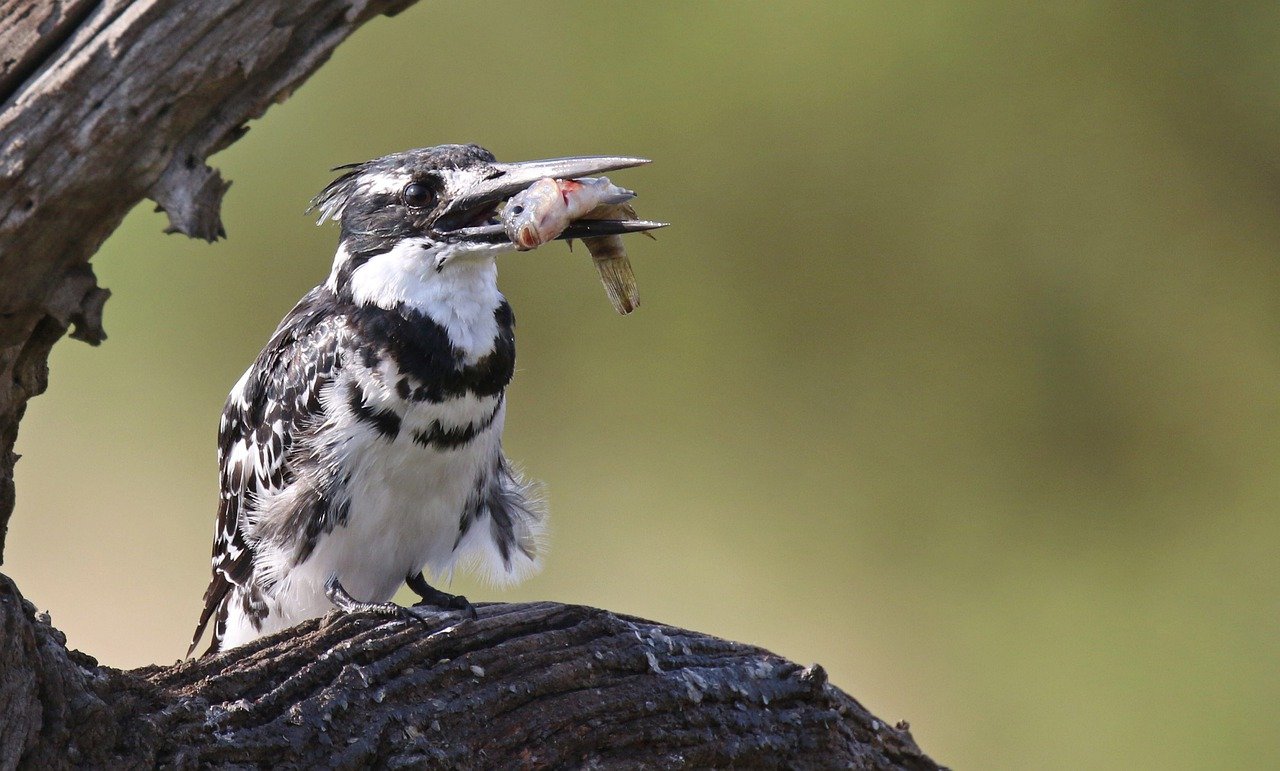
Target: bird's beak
[(506, 179)]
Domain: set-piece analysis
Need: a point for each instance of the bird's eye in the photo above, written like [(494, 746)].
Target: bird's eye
[(419, 195)]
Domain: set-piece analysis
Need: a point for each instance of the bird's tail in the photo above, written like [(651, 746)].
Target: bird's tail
[(215, 605)]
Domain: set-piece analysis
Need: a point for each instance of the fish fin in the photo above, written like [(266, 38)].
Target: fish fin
[(619, 284), (618, 195)]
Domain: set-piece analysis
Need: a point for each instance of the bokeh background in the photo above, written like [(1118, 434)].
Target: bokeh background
[(956, 374)]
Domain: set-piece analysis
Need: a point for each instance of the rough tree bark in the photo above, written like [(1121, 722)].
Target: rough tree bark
[(526, 686), (107, 102)]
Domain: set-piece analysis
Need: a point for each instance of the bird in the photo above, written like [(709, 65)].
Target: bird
[(362, 449)]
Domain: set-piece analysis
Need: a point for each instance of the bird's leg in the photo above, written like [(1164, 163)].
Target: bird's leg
[(433, 597), (345, 602)]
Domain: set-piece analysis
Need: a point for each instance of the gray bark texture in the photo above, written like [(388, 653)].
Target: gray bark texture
[(105, 103), (538, 685)]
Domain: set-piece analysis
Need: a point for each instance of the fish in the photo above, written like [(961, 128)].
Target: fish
[(543, 210)]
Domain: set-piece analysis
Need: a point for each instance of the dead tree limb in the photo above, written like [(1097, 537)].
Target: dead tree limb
[(105, 103), (540, 685)]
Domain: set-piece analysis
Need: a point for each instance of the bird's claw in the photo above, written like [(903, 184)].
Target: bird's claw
[(434, 598), (344, 602)]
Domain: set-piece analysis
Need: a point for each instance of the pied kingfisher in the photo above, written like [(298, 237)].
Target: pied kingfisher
[(364, 444)]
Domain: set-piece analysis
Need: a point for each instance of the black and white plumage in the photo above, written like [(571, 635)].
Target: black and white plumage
[(363, 446)]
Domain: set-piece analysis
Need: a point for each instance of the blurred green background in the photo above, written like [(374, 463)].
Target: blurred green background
[(956, 374)]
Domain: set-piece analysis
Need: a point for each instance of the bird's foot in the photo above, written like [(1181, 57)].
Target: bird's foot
[(343, 601), (434, 598)]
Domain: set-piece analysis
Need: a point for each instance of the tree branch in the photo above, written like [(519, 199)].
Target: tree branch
[(532, 686)]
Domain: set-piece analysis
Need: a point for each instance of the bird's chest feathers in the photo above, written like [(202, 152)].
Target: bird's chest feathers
[(432, 449), (408, 470), (460, 296), (414, 417)]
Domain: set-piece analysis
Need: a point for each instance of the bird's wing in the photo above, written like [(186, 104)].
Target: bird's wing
[(274, 403)]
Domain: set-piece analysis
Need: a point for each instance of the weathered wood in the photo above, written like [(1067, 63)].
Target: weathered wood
[(537, 685), (29, 31)]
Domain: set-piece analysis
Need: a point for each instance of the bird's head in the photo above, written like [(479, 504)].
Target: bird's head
[(433, 210)]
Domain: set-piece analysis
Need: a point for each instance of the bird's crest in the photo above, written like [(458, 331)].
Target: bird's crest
[(331, 201)]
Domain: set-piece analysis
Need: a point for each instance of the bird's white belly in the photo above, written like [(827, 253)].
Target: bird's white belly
[(406, 504)]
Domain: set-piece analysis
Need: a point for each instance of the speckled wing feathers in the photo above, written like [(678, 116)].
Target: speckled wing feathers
[(267, 413)]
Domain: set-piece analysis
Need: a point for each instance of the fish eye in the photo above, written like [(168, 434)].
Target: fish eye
[(419, 195), (517, 209)]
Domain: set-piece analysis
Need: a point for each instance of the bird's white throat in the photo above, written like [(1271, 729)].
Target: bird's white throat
[(458, 292)]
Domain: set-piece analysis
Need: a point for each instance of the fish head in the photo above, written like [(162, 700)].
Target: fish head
[(536, 214)]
